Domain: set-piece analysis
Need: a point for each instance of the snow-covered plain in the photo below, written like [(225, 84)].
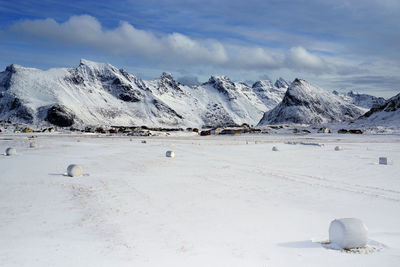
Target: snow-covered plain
[(222, 201)]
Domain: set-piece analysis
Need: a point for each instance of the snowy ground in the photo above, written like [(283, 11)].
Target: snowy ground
[(219, 202)]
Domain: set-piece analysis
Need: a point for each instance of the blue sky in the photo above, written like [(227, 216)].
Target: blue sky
[(338, 45)]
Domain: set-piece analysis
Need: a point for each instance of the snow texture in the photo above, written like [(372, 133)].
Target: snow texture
[(222, 202), (348, 233)]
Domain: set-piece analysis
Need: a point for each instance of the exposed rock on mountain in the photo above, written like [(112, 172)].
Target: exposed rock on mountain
[(60, 116), (269, 94), (282, 83), (364, 101), (305, 103), (387, 112)]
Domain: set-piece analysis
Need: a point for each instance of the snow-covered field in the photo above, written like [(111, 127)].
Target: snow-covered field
[(222, 201)]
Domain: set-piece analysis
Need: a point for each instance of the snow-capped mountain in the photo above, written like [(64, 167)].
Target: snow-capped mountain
[(386, 114), (305, 103), (100, 94), (271, 95), (281, 83), (364, 101)]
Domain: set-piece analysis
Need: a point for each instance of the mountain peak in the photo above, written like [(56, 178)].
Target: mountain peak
[(218, 79), (281, 83), (96, 65), (167, 75), (263, 84), (89, 62), (306, 103), (298, 81), (14, 67)]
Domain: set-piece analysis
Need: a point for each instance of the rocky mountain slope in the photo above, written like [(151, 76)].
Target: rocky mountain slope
[(100, 94), (385, 114), (305, 103), (364, 101)]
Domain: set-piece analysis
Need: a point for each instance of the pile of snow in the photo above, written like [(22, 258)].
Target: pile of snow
[(305, 103), (348, 233)]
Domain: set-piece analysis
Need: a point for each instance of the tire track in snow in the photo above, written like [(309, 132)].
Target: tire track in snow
[(377, 192)]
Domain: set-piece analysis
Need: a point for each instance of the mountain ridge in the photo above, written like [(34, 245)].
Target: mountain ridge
[(305, 103)]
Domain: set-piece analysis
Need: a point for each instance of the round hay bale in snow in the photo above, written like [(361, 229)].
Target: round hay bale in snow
[(32, 145), (338, 148), (274, 148), (11, 151), (348, 233), (74, 170), (170, 154)]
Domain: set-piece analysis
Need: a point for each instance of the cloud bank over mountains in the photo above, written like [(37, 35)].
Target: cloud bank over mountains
[(127, 40), (337, 44)]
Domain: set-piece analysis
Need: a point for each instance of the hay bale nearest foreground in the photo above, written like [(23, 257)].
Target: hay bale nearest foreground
[(170, 154), (274, 148), (74, 170), (32, 145), (348, 233), (338, 148), (11, 151)]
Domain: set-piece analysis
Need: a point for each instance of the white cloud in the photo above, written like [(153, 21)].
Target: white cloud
[(191, 50), (173, 49), (124, 40), (299, 57), (256, 57)]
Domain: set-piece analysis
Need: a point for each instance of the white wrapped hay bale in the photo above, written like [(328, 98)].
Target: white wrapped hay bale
[(274, 148), (74, 170), (32, 145), (348, 233), (338, 148), (11, 151), (383, 160), (170, 154)]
